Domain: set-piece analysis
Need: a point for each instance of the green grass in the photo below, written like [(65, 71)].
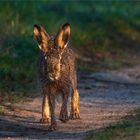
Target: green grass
[(126, 130), (1, 110), (107, 32)]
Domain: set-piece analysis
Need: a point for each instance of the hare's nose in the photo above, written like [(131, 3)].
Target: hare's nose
[(53, 77)]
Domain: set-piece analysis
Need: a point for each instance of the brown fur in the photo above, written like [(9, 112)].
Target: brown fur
[(57, 74)]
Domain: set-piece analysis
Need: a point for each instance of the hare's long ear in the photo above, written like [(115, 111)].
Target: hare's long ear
[(62, 37), (42, 37)]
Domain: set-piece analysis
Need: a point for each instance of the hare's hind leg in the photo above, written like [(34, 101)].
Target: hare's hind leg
[(74, 114)]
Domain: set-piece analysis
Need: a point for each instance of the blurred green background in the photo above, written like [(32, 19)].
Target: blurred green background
[(105, 34)]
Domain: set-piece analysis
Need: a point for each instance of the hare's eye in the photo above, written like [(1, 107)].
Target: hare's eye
[(45, 57)]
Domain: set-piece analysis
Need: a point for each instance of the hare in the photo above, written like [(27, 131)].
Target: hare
[(57, 74)]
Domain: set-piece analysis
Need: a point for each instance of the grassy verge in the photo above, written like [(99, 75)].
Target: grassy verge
[(106, 32), (18, 68), (127, 130), (1, 110)]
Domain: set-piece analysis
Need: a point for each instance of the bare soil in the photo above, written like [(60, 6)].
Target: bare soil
[(105, 98)]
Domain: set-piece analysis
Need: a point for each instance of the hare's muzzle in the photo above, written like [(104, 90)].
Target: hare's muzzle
[(53, 77)]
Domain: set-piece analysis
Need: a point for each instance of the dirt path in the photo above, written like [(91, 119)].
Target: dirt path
[(105, 98)]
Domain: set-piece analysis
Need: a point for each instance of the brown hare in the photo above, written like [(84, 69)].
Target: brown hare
[(57, 74)]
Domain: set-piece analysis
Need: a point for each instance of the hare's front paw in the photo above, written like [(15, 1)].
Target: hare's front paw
[(45, 120), (74, 115), (64, 116), (53, 127)]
